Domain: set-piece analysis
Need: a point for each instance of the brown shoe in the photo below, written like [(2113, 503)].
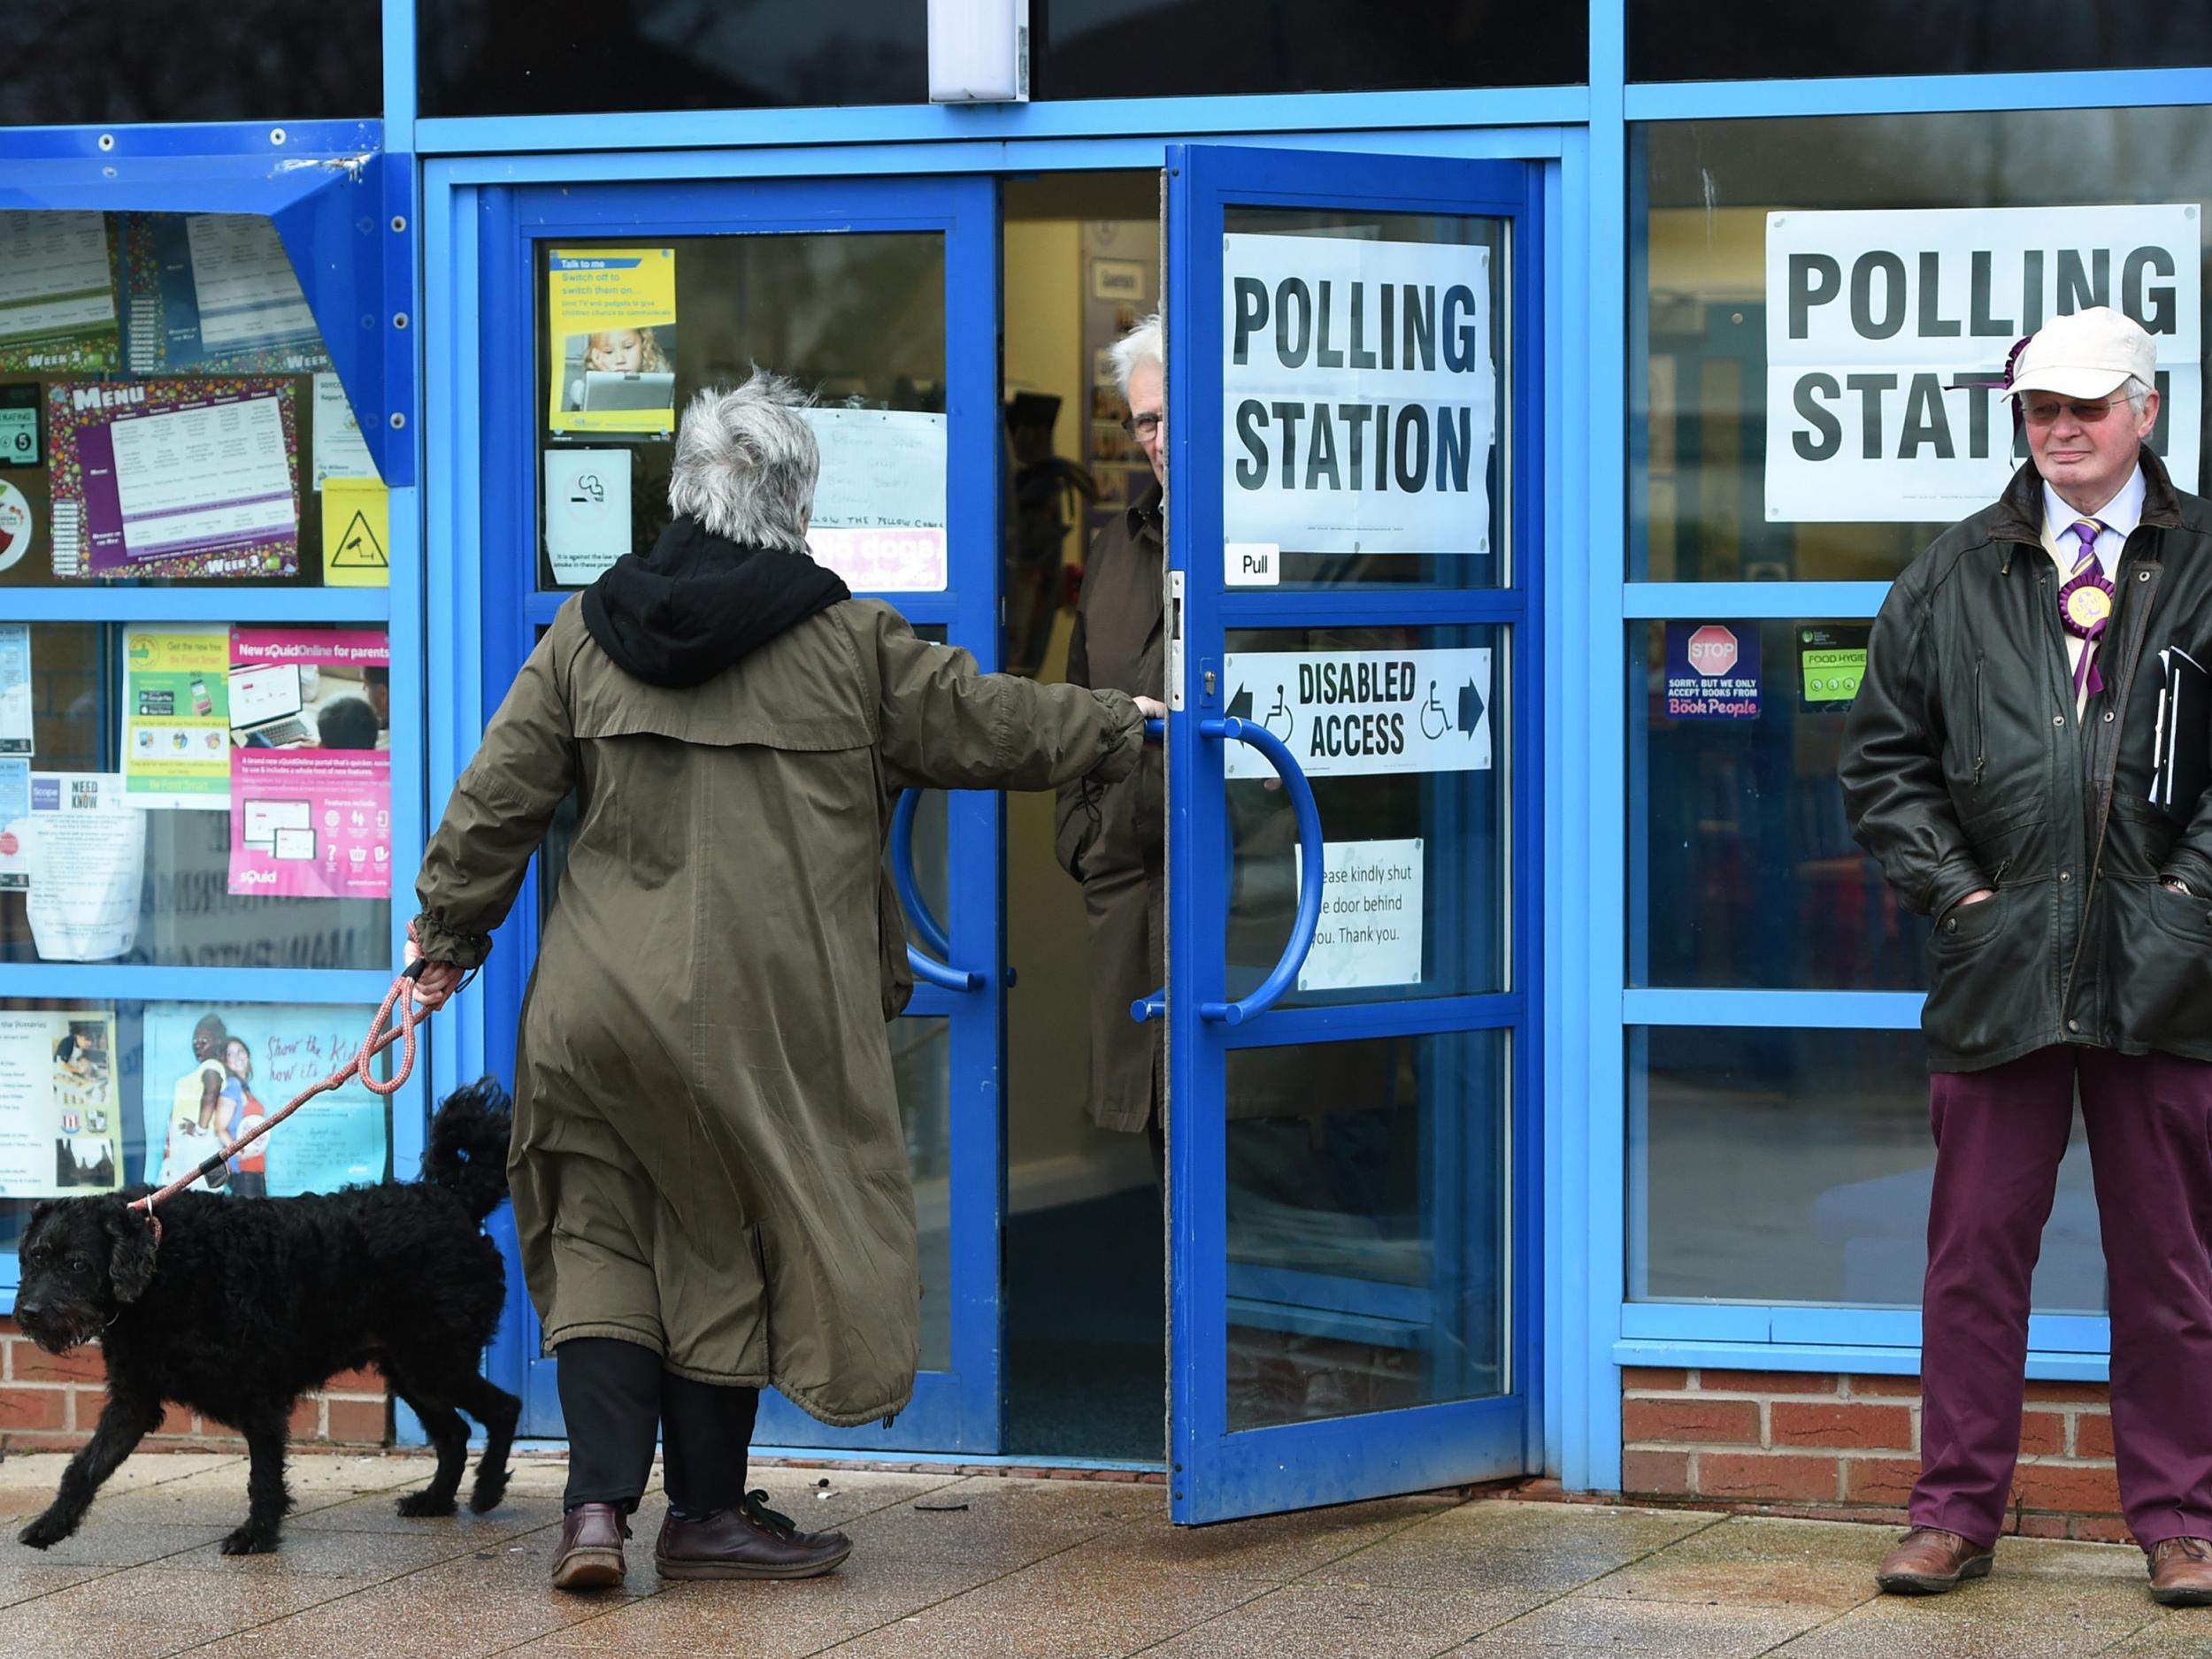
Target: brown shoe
[(591, 1548), (2181, 1572), (1929, 1561), (752, 1542)]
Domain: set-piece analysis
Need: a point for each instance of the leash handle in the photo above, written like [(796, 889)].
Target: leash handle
[(381, 1036)]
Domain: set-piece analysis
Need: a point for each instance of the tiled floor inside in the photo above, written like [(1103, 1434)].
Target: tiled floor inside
[(987, 1566)]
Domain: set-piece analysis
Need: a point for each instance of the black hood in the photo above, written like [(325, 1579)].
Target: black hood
[(697, 603)]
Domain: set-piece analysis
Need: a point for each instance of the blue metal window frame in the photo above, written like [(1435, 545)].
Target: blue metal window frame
[(353, 238), (951, 1411), (1589, 198), (1217, 1473), (1619, 1331)]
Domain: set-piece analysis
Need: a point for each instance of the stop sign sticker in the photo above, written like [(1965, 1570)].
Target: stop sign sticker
[(1712, 671)]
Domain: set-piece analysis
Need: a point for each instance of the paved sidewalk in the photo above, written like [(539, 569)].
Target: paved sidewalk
[(985, 1566)]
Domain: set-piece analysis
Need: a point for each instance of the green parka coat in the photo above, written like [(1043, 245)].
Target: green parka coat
[(708, 1157)]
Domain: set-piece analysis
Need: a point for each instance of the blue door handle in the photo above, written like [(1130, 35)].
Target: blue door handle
[(1232, 729), (916, 908)]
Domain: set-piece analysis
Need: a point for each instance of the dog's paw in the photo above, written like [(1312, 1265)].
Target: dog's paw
[(426, 1502), (46, 1531), (488, 1491), (251, 1541)]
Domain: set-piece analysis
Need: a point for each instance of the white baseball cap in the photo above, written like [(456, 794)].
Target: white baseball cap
[(2088, 354)]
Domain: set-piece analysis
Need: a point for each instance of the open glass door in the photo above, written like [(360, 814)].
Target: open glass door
[(605, 308), (1353, 555)]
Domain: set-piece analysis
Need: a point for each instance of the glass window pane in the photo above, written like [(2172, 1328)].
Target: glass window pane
[(859, 320), (1743, 40), (1368, 1228), (1742, 868), (1113, 49), (167, 411), (1795, 1166), (106, 1094), (1418, 862), (1366, 433), (518, 58), (282, 859), (1731, 475), (113, 60)]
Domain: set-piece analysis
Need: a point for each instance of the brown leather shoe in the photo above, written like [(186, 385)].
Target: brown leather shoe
[(1929, 1561), (2181, 1572), (591, 1548), (751, 1542)]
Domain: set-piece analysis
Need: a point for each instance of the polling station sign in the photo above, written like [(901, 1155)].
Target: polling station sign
[(1874, 318), (1347, 712), (1360, 397)]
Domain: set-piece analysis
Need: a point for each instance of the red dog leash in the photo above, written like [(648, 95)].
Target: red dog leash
[(379, 1038)]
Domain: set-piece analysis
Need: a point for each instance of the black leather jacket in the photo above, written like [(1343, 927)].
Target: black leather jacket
[(1964, 767)]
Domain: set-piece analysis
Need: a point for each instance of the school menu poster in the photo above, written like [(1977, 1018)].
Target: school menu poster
[(57, 293), (174, 479), (214, 293)]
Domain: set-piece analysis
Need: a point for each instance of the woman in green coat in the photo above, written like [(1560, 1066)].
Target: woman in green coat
[(709, 1177)]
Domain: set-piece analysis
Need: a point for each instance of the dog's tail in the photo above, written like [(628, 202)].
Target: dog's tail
[(467, 1154)]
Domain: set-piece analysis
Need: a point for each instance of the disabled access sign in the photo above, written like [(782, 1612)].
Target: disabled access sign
[(1343, 713)]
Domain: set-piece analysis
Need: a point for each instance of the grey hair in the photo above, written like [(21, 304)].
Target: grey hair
[(746, 462), (1147, 342), (2136, 393)]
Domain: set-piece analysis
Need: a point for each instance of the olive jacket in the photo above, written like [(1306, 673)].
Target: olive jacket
[(708, 1158), (1112, 837), (1966, 765)]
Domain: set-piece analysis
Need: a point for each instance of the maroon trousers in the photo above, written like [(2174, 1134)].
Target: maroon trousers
[(2000, 1135)]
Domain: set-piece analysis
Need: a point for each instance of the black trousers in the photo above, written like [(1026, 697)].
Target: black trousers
[(616, 1396)]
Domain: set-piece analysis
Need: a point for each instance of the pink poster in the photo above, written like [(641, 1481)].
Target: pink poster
[(310, 777)]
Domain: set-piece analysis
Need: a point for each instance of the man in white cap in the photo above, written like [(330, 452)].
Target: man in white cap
[(2000, 763)]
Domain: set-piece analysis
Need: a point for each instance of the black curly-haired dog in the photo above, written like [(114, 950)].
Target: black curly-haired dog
[(245, 1304)]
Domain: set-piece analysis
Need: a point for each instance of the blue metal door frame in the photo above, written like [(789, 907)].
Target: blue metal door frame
[(955, 1410), (1218, 1474)]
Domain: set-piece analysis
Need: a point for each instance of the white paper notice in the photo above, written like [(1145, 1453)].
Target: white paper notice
[(15, 688), (1885, 329), (87, 861), (249, 294), (881, 469), (1346, 712), (1359, 398), (1370, 932), (216, 473), (587, 512), (339, 451), (54, 274)]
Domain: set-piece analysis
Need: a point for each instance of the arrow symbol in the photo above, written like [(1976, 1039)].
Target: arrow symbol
[(1240, 703), (1470, 709)]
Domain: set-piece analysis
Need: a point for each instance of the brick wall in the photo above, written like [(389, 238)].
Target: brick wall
[(50, 1403), (1846, 1446)]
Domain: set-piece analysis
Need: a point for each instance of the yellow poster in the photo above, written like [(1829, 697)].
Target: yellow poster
[(356, 533), (610, 322), (176, 716)]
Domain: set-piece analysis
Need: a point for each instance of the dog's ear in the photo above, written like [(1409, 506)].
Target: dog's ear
[(131, 1252), (39, 1212)]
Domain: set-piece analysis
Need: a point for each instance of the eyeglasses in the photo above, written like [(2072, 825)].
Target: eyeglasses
[(1143, 426), (2043, 411)]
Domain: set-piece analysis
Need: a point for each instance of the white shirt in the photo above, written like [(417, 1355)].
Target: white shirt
[(2117, 517)]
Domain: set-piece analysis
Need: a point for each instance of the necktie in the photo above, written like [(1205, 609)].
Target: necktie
[(2085, 604)]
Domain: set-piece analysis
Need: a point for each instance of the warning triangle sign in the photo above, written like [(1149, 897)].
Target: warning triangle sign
[(359, 548)]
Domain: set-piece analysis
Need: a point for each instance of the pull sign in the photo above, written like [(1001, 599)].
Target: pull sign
[(1252, 565), (1175, 641)]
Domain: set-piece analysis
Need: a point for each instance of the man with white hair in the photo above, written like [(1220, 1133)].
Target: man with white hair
[(708, 1172), (1112, 837), (2002, 760)]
